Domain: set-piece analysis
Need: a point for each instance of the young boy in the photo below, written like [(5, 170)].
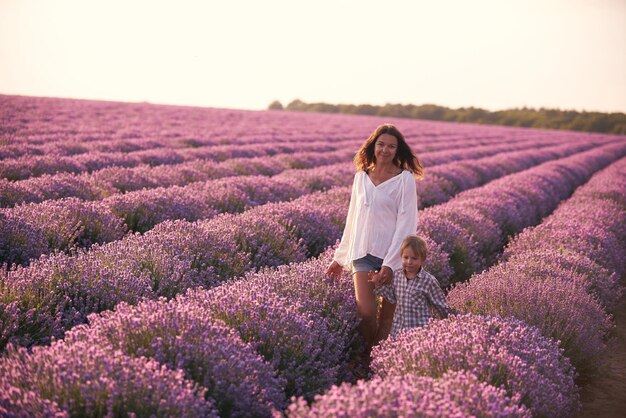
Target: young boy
[(412, 289)]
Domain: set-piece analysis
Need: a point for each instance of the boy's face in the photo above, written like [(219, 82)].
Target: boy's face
[(411, 262)]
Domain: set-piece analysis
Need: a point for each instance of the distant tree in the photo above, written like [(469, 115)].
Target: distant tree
[(428, 111), (614, 123), (297, 105), (323, 107), (276, 105), (366, 109)]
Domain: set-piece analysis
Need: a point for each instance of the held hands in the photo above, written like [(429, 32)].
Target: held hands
[(380, 277)]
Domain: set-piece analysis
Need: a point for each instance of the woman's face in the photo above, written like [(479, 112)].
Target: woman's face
[(385, 149)]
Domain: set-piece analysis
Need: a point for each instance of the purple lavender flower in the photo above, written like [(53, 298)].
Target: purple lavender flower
[(91, 380), (547, 298), (266, 241), (505, 353), (69, 222), (456, 242), (20, 241), (57, 292), (183, 336), (598, 281), (296, 342), (452, 394), (17, 402)]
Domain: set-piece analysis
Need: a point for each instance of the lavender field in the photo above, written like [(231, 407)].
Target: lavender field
[(170, 261)]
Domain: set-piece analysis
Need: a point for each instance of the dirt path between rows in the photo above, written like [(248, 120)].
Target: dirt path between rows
[(605, 395)]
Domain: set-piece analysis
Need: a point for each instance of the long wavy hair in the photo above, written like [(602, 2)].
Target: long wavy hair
[(405, 157)]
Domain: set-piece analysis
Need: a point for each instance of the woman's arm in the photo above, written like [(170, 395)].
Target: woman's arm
[(341, 255), (406, 221)]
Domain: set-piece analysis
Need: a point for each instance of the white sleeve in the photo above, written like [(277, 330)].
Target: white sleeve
[(406, 222), (342, 255)]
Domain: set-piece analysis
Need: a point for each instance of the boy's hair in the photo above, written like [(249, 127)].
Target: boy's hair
[(417, 244)]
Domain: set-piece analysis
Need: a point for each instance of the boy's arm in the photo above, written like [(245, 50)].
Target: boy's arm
[(438, 299), (388, 291)]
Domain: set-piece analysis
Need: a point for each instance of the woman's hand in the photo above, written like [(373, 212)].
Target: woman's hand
[(373, 277), (334, 270), (385, 275)]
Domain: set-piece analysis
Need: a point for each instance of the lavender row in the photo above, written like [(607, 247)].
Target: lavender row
[(58, 292), (563, 275), (35, 229), (457, 394), (504, 353), (26, 165), (113, 180), (475, 225), (34, 166), (549, 388), (556, 377), (82, 379), (249, 345), (38, 126)]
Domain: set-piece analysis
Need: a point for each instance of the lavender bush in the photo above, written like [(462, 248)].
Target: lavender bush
[(112, 180), (549, 299), (317, 226), (211, 256), (70, 222), (297, 343), (16, 402), (20, 241), (505, 353), (184, 337), (92, 381), (266, 241), (314, 292), (453, 394), (570, 265), (57, 292), (454, 240), (583, 234)]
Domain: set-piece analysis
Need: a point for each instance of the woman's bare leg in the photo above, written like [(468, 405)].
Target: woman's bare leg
[(366, 307), (385, 319)]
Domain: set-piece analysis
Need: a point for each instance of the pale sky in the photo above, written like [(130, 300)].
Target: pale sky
[(493, 54)]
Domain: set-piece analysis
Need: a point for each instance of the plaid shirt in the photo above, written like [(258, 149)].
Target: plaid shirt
[(414, 299)]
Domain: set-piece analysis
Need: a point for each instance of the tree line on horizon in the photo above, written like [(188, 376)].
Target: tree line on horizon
[(611, 123)]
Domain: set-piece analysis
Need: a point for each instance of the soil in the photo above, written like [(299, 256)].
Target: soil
[(604, 395)]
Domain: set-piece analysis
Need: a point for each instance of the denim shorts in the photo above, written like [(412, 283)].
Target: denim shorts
[(367, 263)]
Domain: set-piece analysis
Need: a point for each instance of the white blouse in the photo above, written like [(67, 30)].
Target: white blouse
[(379, 218)]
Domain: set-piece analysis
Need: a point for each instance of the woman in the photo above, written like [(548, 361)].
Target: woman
[(382, 212)]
